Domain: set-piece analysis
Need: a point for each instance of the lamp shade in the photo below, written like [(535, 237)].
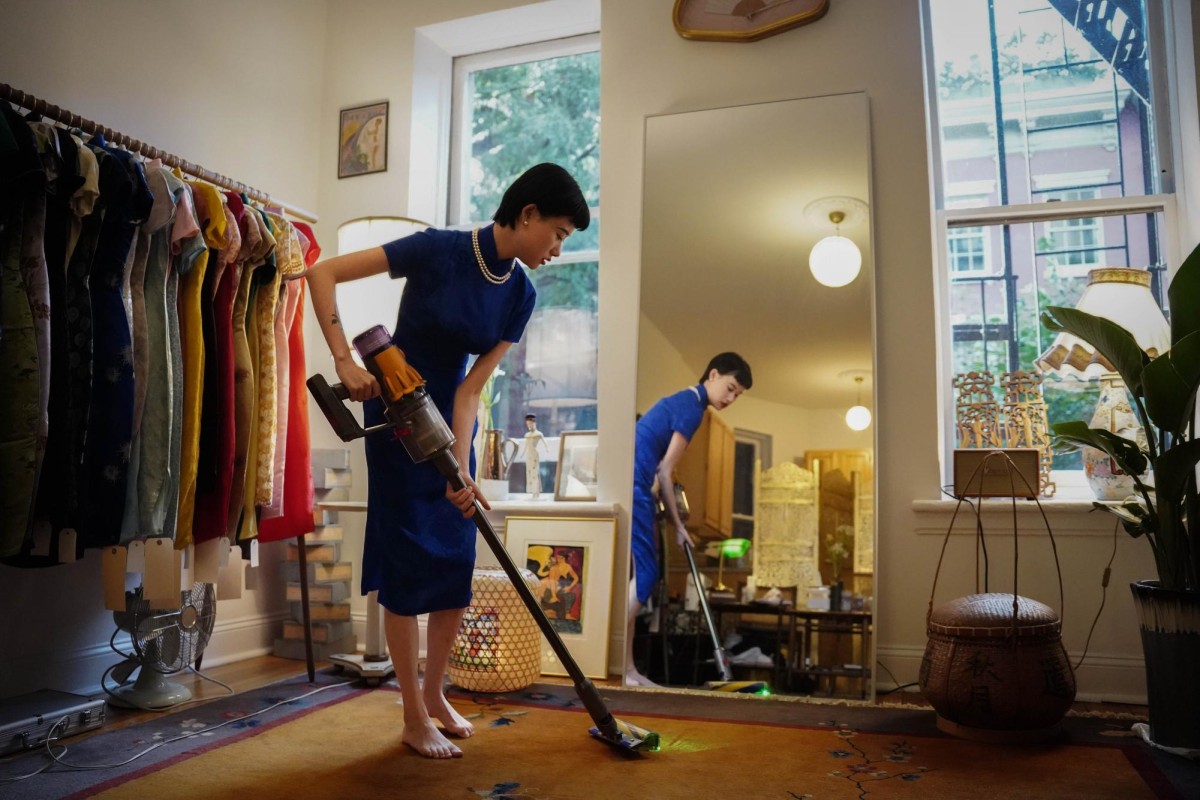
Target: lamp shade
[(835, 261), (1120, 295), (735, 548)]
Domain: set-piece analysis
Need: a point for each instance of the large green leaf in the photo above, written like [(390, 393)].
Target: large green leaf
[(1183, 298), (1126, 453), (1169, 385), (1172, 470), (1110, 340)]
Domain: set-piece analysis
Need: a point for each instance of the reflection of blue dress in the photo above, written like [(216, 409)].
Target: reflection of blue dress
[(680, 413), (419, 551)]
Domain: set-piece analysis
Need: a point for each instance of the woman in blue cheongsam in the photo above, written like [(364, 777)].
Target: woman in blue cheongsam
[(465, 295)]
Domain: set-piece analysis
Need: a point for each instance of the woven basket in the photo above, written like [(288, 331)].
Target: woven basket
[(498, 646), (995, 667), (982, 670)]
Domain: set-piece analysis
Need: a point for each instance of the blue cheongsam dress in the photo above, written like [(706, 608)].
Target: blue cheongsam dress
[(677, 413), (419, 551)]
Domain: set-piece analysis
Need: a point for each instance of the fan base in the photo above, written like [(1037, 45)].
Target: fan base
[(150, 692), (367, 670)]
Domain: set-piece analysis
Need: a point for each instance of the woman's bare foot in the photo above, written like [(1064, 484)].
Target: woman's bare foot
[(427, 740), (635, 678), (454, 723)]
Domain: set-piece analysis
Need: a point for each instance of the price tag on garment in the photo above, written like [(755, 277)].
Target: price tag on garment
[(207, 560), (135, 561), (160, 581), (66, 548), (229, 582), (254, 552), (112, 577), (223, 550)]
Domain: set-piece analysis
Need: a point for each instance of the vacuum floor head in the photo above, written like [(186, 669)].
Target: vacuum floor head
[(738, 687), (627, 736)]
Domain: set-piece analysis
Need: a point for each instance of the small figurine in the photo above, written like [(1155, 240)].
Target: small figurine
[(533, 441)]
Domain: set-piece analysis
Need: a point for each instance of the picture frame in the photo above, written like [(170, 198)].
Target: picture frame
[(742, 20), (362, 140), (575, 475), (573, 557)]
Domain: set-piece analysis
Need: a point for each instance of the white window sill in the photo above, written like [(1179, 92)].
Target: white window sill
[(516, 505), (1066, 517)]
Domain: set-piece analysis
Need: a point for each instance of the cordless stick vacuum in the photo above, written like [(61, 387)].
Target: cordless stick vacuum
[(727, 683), (419, 425)]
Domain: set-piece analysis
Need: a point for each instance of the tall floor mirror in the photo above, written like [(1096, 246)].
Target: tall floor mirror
[(779, 486)]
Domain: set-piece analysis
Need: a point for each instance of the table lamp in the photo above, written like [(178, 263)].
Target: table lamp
[(732, 548), (1120, 295)]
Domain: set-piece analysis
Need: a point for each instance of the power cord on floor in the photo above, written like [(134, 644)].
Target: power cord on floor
[(56, 757), (896, 688)]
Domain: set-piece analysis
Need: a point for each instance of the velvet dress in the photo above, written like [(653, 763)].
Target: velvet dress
[(419, 551)]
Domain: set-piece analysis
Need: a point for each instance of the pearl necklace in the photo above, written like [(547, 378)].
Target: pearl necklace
[(487, 273)]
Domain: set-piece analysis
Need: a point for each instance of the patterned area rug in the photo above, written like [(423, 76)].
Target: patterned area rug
[(344, 742)]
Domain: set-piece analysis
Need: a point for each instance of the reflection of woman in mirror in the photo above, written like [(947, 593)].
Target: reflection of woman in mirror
[(662, 435)]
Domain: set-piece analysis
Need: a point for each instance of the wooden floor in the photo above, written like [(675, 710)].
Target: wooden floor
[(262, 670)]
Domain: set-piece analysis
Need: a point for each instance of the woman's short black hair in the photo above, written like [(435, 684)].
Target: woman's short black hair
[(549, 187), (730, 364)]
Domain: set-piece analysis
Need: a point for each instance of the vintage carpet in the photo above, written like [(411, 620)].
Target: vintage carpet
[(344, 742)]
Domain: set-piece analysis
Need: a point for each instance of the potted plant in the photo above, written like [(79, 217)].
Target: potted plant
[(1165, 510)]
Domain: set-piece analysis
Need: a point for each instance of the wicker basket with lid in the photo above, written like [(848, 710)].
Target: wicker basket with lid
[(982, 670), (995, 668)]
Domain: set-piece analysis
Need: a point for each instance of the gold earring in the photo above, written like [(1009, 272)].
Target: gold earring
[(526, 222)]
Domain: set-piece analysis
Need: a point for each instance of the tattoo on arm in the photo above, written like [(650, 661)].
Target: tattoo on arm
[(335, 320)]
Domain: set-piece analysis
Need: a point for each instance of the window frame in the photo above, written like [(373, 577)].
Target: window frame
[(460, 123), (1173, 49)]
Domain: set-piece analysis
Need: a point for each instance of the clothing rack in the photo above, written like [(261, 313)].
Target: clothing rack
[(37, 106)]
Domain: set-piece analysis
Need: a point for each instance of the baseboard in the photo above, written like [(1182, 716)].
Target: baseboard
[(1100, 679)]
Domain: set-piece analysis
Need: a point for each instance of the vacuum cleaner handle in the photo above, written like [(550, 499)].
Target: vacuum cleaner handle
[(719, 654), (447, 465), (331, 400)]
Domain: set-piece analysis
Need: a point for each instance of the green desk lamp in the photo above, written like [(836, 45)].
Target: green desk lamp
[(726, 548)]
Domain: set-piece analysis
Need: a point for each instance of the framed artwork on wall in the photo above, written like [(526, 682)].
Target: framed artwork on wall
[(743, 20), (362, 140), (573, 560), (575, 477)]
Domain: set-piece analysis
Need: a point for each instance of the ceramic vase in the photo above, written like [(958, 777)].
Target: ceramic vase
[(1113, 413)]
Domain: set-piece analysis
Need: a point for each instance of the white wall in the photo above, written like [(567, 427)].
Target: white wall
[(228, 85)]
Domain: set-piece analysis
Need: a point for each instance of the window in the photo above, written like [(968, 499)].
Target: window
[(968, 249), (751, 455), (1057, 107), (512, 109), (1073, 245)]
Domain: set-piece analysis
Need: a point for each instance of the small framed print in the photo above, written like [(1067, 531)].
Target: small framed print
[(743, 20), (362, 140), (575, 476), (573, 558)]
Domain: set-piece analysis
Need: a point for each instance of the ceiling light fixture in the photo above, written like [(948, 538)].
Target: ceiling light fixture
[(835, 260), (858, 416)]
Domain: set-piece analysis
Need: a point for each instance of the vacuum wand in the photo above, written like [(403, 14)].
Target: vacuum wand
[(719, 654), (420, 427)]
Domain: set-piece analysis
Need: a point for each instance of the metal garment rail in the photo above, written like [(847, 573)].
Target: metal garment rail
[(72, 120)]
